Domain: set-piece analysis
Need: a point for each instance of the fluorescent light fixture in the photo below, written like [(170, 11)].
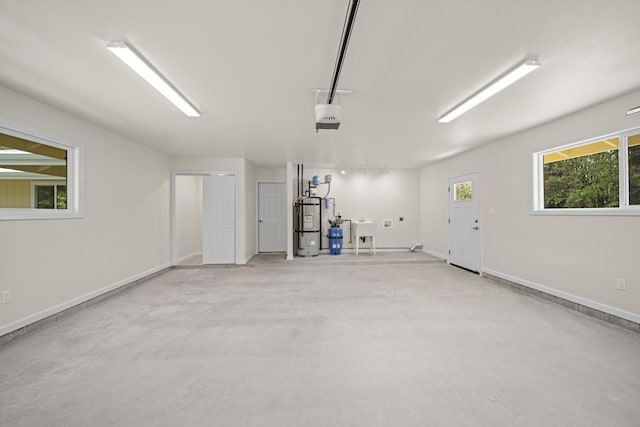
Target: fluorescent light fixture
[(488, 91), (138, 64), (635, 110)]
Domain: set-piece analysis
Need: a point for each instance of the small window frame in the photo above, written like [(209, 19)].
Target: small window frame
[(623, 186), (75, 173), (455, 192), (35, 184)]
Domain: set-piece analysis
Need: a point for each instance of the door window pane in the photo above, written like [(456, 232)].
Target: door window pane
[(463, 191), (634, 169)]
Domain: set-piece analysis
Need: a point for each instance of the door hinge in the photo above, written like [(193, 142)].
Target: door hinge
[(449, 220), (449, 252), (449, 189)]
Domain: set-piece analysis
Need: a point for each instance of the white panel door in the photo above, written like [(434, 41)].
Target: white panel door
[(218, 219), (464, 222), (272, 217)]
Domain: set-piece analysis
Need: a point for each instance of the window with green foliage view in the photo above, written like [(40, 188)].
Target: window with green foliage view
[(588, 175), (585, 181)]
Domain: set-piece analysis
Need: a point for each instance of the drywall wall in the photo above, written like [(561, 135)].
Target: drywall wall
[(188, 213), (221, 165), (374, 194), (271, 174), (580, 256), (251, 219), (123, 235), (291, 193)]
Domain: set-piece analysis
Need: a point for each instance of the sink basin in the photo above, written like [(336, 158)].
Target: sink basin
[(364, 228)]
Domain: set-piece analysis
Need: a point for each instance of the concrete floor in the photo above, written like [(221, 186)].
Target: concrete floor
[(304, 344)]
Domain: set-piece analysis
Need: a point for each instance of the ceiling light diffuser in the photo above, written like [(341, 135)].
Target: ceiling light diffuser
[(488, 91), (635, 110), (138, 64)]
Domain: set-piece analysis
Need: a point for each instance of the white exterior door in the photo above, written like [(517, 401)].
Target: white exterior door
[(464, 222), (272, 217), (218, 219)]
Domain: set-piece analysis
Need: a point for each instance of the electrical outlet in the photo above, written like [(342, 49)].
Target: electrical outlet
[(5, 297), (621, 284)]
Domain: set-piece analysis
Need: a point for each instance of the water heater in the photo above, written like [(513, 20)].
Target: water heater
[(308, 227)]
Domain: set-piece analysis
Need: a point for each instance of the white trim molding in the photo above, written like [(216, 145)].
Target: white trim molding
[(613, 311), (186, 257), (443, 257), (52, 311)]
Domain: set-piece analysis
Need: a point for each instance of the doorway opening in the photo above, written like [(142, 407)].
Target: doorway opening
[(203, 218)]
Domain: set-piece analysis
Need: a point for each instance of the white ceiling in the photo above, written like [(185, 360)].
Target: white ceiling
[(250, 67)]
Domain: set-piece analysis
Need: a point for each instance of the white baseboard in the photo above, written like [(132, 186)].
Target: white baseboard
[(435, 254), (183, 258), (248, 259), (632, 317), (5, 329)]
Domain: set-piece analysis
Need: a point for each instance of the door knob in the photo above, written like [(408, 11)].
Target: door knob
[(475, 228)]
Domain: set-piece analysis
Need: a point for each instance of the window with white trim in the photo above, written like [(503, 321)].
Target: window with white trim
[(598, 176), (39, 176)]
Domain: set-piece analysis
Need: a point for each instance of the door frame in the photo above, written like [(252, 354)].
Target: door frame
[(478, 200), (174, 232), (266, 181)]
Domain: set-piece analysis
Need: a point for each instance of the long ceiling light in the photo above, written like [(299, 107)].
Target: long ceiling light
[(635, 110), (138, 64), (488, 91)]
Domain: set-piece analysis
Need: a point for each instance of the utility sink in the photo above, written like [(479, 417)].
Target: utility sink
[(364, 228)]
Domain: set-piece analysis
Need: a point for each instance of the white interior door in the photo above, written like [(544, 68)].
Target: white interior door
[(464, 222), (218, 219), (272, 217)]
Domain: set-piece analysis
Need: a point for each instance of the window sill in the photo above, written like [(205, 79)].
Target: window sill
[(632, 211), (7, 214)]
